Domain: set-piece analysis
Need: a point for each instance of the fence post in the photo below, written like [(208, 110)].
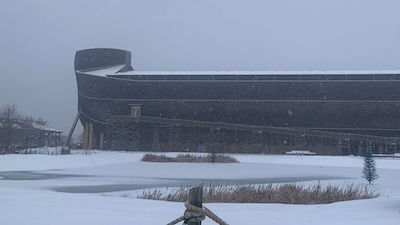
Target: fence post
[(195, 199)]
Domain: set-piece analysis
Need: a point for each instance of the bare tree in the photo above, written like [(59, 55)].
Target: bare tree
[(9, 115)]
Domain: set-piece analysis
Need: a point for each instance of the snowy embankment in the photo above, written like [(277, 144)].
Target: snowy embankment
[(34, 202), (49, 208), (334, 161), (82, 158)]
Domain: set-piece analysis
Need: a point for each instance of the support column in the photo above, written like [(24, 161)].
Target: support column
[(95, 141), (91, 134), (156, 139), (361, 150), (381, 149), (101, 143), (85, 135)]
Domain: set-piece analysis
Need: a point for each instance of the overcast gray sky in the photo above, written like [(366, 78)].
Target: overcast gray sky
[(38, 40)]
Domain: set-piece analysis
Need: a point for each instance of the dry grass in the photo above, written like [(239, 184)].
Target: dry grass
[(218, 158), (284, 193)]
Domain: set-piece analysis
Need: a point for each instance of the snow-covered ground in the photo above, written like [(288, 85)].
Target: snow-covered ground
[(46, 199)]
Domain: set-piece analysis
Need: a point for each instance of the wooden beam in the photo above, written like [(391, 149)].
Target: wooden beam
[(71, 131)]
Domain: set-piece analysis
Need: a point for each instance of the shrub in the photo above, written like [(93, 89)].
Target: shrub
[(61, 150), (217, 158), (284, 193)]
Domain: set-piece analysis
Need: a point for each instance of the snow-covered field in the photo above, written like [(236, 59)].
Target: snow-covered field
[(45, 197)]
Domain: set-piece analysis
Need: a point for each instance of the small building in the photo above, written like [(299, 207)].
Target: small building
[(23, 134)]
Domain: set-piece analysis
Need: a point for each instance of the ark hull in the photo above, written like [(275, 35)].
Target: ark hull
[(369, 107)]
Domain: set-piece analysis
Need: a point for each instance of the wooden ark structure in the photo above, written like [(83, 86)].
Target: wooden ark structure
[(251, 112)]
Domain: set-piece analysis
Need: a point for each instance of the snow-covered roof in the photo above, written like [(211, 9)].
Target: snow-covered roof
[(45, 128), (34, 125)]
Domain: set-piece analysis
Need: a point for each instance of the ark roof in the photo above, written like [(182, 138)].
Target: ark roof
[(115, 71), (316, 72)]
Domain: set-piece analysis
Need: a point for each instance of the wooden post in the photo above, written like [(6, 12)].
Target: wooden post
[(195, 199)]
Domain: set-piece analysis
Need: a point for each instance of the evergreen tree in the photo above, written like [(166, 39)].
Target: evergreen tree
[(369, 171)]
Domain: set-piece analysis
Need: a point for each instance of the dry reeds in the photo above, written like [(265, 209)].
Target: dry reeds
[(284, 193), (217, 158)]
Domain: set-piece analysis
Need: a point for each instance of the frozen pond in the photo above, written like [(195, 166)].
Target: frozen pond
[(30, 175), (141, 183)]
